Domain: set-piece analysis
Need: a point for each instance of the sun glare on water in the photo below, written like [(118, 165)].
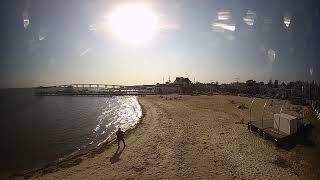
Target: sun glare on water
[(134, 24)]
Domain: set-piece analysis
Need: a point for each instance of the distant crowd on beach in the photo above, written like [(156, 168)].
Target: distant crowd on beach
[(170, 97)]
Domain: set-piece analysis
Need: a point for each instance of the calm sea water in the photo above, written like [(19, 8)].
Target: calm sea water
[(35, 130)]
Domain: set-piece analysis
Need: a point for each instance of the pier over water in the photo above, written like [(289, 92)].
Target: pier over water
[(94, 90)]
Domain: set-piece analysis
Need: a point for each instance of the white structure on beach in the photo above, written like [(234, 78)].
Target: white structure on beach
[(286, 123)]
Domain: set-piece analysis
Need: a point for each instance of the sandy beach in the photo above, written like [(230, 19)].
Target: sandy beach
[(195, 137)]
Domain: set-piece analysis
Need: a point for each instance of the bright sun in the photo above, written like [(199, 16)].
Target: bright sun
[(133, 23)]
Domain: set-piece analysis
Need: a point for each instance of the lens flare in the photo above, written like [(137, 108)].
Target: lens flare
[(133, 23)]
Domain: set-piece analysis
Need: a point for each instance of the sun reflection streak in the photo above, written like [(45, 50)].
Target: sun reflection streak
[(122, 112)]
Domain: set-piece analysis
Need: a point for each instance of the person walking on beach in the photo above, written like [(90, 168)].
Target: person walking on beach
[(120, 137)]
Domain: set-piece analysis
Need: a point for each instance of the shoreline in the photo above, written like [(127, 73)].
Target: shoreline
[(73, 158), (192, 137)]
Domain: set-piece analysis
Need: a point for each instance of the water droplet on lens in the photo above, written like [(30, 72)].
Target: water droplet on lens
[(26, 20), (224, 15), (26, 23), (287, 21), (42, 35), (311, 71), (250, 18), (267, 22), (93, 27), (271, 55)]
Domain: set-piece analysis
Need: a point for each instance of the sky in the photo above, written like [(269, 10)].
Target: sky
[(76, 41)]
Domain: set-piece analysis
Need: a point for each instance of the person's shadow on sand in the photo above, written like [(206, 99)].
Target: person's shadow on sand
[(116, 156)]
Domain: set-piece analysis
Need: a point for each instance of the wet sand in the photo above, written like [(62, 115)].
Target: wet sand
[(189, 138)]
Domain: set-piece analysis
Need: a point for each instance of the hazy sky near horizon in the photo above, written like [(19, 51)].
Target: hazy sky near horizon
[(61, 42)]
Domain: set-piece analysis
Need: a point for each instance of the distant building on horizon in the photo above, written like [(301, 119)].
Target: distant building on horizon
[(182, 81), (180, 85)]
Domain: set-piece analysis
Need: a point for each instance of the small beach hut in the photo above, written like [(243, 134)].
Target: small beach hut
[(286, 123)]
